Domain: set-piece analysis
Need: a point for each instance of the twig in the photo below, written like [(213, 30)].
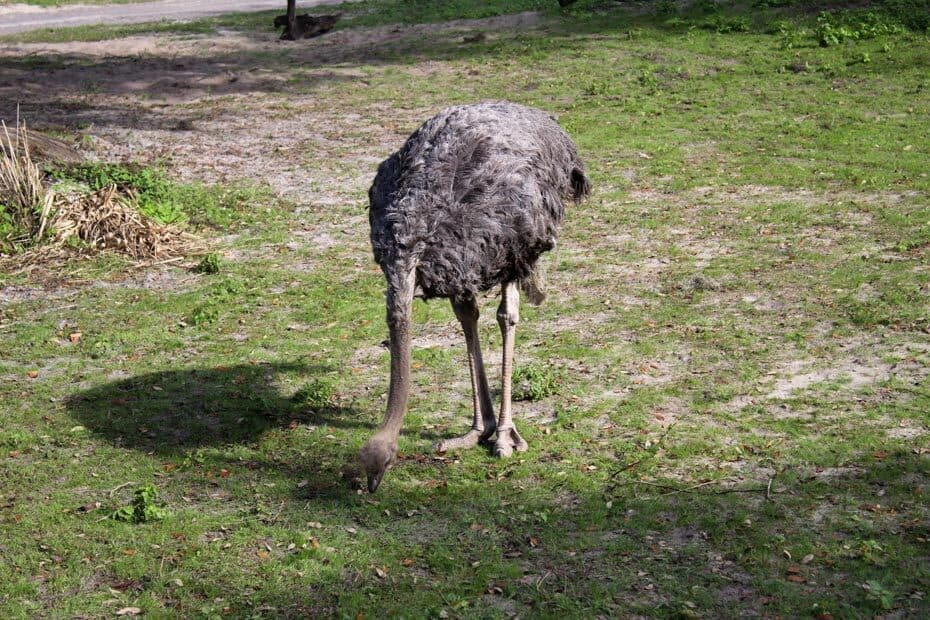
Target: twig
[(121, 486), (694, 488), (626, 467), (630, 466)]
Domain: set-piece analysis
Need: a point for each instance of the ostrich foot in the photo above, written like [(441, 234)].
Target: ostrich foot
[(508, 441), (469, 440)]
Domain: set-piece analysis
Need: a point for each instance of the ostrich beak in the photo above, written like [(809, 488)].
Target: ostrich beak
[(373, 481)]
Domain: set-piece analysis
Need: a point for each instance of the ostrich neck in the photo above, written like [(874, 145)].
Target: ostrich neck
[(399, 310)]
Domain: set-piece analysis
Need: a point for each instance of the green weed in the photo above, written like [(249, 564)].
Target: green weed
[(316, 395), (533, 382), (837, 28), (209, 264), (143, 509)]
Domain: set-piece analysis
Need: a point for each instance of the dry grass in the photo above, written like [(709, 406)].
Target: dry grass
[(108, 220), (51, 225), (22, 193)]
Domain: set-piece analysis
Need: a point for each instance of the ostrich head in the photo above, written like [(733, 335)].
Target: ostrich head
[(376, 456)]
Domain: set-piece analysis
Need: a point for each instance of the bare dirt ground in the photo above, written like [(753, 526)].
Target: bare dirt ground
[(24, 17), (213, 105)]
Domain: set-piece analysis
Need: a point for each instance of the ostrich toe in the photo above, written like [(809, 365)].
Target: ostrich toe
[(469, 440), (508, 441)]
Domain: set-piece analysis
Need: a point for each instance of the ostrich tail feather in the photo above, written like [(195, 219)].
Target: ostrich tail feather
[(534, 285)]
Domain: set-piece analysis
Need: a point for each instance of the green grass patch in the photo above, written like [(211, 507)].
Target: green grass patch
[(167, 201)]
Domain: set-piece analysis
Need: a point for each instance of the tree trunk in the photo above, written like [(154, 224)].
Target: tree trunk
[(304, 26), (290, 31)]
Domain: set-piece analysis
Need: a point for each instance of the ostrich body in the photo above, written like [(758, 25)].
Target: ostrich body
[(470, 202)]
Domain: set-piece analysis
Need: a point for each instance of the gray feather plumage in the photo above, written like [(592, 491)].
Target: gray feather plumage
[(473, 198)]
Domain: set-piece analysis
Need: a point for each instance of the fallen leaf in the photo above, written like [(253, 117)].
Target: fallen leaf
[(224, 473), (406, 562), (129, 611), (352, 530), (90, 507), (534, 542), (263, 555), (795, 578), (32, 374), (807, 559), (74, 337), (381, 573)]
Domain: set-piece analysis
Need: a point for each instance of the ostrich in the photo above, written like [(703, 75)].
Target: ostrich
[(471, 201)]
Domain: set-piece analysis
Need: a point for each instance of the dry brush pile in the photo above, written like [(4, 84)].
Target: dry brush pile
[(37, 222)]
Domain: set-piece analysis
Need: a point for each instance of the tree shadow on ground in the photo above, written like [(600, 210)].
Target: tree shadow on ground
[(172, 412), (79, 85), (653, 547)]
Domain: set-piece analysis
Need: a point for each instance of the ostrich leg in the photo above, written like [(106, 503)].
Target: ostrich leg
[(483, 424), (508, 315)]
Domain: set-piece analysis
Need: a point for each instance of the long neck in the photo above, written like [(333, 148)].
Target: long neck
[(399, 310)]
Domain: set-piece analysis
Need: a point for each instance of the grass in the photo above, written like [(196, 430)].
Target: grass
[(732, 365)]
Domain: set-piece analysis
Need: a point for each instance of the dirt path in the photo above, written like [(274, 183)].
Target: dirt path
[(24, 17)]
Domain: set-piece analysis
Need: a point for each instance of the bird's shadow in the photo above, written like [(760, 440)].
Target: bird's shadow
[(172, 412)]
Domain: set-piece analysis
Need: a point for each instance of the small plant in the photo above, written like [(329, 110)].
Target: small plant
[(872, 552), (204, 315), (878, 593), (705, 6), (666, 7), (317, 395), (209, 264), (725, 25), (142, 509), (836, 28), (533, 382), (155, 195)]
